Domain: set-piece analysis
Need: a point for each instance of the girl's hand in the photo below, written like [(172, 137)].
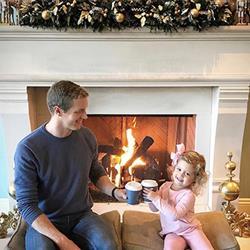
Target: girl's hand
[(149, 194)]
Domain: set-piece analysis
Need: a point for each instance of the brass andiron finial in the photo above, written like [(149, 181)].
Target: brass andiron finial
[(230, 190)]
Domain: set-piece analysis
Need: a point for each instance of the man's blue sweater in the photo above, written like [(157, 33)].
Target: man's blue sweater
[(52, 174)]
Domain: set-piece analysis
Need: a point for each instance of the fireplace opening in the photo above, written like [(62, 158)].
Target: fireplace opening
[(138, 147)]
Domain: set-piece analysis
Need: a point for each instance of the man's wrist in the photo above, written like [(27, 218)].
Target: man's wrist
[(113, 192)]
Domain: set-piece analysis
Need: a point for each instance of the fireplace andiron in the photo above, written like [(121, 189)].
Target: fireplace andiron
[(230, 190)]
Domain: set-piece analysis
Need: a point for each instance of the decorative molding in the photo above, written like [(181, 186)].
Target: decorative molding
[(222, 33), (238, 82), (233, 99), (244, 205), (234, 93), (13, 87)]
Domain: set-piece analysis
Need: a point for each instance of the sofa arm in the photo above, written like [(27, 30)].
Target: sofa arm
[(140, 231), (217, 230), (17, 239)]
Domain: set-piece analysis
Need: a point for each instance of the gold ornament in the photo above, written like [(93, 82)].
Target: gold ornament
[(194, 12), (119, 17), (219, 3), (46, 15), (230, 190)]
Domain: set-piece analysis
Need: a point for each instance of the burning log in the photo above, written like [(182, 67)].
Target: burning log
[(109, 149), (115, 149), (150, 170), (140, 151)]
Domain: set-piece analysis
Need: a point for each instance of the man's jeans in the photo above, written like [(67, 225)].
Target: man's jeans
[(89, 232)]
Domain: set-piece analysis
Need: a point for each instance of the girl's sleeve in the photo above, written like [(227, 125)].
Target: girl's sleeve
[(178, 210)]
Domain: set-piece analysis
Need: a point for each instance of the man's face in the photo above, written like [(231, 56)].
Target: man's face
[(73, 118)]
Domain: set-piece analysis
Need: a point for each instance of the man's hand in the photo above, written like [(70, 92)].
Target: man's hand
[(120, 194), (65, 244), (44, 226)]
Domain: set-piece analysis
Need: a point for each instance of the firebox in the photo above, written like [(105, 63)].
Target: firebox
[(138, 147)]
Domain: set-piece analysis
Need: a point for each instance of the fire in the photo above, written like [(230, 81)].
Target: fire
[(129, 151)]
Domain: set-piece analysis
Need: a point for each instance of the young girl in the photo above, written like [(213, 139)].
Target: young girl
[(176, 199)]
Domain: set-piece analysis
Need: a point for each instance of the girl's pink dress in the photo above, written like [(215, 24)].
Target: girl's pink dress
[(176, 210), (177, 218)]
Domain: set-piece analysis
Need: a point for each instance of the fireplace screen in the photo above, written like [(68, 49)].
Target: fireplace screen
[(138, 147)]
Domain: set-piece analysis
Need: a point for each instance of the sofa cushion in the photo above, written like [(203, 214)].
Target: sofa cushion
[(113, 218), (140, 231), (17, 240)]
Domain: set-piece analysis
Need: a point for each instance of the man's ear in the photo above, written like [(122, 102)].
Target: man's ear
[(58, 111)]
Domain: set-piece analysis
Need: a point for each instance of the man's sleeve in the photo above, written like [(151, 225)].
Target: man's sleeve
[(26, 183)]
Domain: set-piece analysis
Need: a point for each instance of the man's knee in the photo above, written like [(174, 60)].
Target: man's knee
[(35, 240), (107, 243)]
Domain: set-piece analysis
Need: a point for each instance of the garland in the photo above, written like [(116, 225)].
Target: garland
[(99, 15)]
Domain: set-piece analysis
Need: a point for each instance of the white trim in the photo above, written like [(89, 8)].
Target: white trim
[(232, 98), (237, 82), (223, 33), (234, 93)]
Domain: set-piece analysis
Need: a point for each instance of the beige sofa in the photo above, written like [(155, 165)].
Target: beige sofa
[(139, 231)]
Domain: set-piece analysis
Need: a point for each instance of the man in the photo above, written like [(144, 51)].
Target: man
[(53, 166)]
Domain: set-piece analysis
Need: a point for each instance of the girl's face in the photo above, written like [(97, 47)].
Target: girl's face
[(183, 175)]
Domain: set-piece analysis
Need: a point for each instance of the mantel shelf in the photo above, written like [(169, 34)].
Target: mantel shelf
[(222, 33)]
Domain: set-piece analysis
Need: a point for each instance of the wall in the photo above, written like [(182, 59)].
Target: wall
[(217, 59), (244, 203)]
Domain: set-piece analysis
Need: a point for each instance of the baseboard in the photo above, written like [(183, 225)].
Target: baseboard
[(4, 205), (244, 205)]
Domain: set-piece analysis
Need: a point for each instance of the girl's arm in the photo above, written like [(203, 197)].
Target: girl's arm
[(152, 207), (178, 210), (165, 206)]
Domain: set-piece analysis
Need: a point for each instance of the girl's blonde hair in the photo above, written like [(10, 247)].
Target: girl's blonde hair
[(199, 163)]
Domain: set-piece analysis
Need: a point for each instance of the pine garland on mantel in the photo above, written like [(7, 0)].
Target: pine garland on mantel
[(99, 15)]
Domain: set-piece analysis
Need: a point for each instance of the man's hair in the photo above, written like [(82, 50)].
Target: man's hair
[(63, 93)]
